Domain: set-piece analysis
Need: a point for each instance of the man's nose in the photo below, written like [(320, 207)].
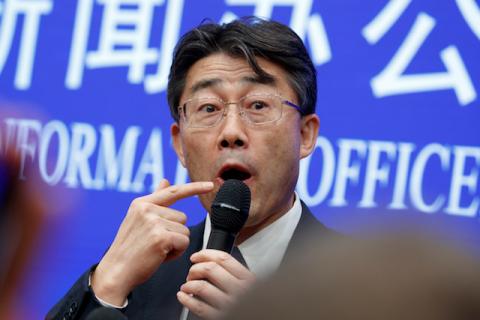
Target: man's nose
[(233, 129)]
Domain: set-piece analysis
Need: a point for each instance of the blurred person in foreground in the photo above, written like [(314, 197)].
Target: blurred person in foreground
[(21, 218), (242, 96), (396, 277)]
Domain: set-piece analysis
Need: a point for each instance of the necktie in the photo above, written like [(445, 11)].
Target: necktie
[(238, 256)]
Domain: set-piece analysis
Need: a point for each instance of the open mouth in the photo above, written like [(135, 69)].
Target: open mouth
[(235, 173)]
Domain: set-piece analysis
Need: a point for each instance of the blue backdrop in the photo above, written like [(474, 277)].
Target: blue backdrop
[(82, 92)]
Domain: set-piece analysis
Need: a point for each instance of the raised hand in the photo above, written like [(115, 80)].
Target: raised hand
[(150, 234)]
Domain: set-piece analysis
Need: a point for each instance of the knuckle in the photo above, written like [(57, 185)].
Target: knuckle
[(228, 300), (202, 286), (181, 243), (151, 222), (141, 207), (182, 217), (223, 256), (135, 204), (192, 273), (200, 309), (146, 207), (160, 239), (186, 241), (210, 267), (244, 285), (186, 231), (203, 270), (173, 190)]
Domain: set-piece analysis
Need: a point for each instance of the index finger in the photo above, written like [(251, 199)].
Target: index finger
[(171, 194)]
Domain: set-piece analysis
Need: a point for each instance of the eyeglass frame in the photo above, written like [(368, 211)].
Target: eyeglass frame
[(182, 110)]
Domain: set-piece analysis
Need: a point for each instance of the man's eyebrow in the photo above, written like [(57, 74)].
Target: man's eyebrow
[(260, 79), (256, 79)]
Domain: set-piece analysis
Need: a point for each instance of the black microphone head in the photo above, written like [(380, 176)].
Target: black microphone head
[(231, 205), (104, 313)]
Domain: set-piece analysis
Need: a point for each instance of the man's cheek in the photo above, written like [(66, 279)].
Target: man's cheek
[(197, 161), (207, 199)]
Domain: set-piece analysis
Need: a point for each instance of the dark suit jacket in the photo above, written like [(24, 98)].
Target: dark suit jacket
[(156, 298)]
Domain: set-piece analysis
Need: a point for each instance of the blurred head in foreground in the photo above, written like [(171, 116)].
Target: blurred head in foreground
[(386, 277), (20, 220)]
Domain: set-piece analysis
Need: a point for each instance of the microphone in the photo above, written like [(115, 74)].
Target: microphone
[(228, 214), (104, 313)]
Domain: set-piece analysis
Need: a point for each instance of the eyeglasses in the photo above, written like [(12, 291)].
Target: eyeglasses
[(256, 109)]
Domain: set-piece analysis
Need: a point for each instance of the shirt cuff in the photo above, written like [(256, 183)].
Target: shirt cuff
[(102, 302)]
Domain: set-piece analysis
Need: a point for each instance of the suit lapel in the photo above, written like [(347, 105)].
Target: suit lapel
[(308, 227)]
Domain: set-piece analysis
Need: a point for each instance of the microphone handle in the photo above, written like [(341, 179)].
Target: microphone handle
[(221, 240)]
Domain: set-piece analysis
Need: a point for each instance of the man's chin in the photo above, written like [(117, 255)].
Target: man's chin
[(253, 218)]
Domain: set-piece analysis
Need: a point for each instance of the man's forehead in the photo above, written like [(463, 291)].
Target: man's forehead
[(220, 71), (218, 82)]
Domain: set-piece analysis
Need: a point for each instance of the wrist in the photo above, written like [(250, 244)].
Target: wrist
[(108, 289)]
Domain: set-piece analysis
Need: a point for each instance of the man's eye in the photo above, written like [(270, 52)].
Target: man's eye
[(258, 105), (208, 108)]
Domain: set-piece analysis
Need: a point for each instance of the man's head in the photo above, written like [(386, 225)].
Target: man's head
[(243, 98), (246, 39)]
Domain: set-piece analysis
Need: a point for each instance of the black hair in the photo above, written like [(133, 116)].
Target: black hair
[(247, 38)]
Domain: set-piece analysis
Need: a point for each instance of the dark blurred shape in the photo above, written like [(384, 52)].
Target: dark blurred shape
[(21, 213), (106, 314), (399, 277)]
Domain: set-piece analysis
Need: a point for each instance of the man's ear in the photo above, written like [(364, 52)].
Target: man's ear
[(177, 142), (309, 133)]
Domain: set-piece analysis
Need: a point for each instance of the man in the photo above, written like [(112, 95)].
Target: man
[(243, 99)]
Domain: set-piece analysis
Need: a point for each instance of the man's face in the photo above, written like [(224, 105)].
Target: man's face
[(265, 156)]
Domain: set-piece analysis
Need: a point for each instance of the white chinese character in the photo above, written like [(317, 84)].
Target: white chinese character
[(123, 40), (302, 22), (171, 29), (10, 10), (471, 13), (125, 24), (392, 80)]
